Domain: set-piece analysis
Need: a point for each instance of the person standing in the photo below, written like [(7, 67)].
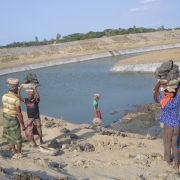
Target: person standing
[(33, 124), (97, 112), (169, 116), (12, 117)]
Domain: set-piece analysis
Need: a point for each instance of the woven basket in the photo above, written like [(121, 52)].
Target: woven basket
[(27, 86)]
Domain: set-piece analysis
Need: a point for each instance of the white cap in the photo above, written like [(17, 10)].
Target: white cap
[(96, 95)]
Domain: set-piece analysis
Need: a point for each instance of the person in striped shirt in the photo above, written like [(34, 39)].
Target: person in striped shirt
[(12, 117)]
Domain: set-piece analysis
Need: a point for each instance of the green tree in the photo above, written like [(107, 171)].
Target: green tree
[(44, 41), (51, 41), (161, 28), (58, 37), (36, 39)]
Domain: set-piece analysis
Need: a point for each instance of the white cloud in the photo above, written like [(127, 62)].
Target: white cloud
[(138, 9), (149, 1), (147, 5)]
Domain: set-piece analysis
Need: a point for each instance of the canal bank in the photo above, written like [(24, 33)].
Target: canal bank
[(92, 57)]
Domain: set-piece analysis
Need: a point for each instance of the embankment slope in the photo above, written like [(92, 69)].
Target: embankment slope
[(15, 57), (147, 62)]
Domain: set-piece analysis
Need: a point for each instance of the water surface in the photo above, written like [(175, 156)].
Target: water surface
[(67, 90)]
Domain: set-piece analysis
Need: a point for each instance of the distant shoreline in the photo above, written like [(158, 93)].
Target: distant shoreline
[(87, 58), (147, 62), (26, 58)]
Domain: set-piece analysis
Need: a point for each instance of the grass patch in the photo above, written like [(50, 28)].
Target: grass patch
[(9, 58)]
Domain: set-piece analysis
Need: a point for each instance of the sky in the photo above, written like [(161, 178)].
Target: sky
[(22, 20)]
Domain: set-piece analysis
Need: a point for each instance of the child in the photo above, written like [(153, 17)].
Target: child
[(96, 106)]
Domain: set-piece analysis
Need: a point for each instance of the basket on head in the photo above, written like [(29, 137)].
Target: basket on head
[(97, 121), (13, 81), (27, 86)]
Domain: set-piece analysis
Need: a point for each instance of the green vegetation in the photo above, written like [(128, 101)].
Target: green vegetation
[(81, 36)]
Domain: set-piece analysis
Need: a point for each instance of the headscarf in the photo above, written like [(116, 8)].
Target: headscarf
[(168, 97), (12, 83), (12, 86)]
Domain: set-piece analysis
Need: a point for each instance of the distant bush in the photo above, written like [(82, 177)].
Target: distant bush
[(82, 36)]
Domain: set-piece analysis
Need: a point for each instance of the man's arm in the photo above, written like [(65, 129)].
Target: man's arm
[(178, 91), (19, 94), (156, 91), (36, 92), (20, 117)]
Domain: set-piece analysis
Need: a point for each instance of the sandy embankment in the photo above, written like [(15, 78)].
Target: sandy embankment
[(108, 155), (86, 49), (147, 62)]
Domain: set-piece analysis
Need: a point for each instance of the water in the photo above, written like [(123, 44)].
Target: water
[(67, 90)]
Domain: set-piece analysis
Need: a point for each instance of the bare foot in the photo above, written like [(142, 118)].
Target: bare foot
[(14, 151), (169, 163), (34, 145), (176, 166), (41, 141)]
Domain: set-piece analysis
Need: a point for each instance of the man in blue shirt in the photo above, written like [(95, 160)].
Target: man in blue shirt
[(169, 116)]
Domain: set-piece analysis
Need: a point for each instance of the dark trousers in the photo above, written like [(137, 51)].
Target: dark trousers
[(170, 142)]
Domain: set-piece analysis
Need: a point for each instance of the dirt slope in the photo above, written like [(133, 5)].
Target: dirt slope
[(14, 57)]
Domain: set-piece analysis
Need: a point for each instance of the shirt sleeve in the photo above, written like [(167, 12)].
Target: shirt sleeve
[(17, 103), (95, 104), (159, 98), (178, 97)]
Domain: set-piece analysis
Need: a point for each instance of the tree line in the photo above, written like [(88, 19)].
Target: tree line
[(82, 36)]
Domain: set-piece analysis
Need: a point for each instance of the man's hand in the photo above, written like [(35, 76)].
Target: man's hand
[(34, 86), (19, 87), (162, 82)]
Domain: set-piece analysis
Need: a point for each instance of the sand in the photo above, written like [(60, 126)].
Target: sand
[(153, 57), (116, 155), (119, 156)]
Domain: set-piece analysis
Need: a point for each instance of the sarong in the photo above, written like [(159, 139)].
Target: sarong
[(12, 130), (33, 127), (99, 114)]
